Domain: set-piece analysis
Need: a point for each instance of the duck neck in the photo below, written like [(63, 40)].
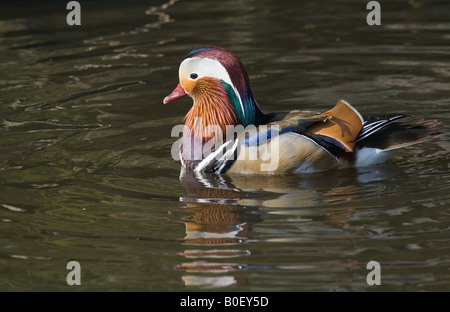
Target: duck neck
[(247, 109), (211, 113)]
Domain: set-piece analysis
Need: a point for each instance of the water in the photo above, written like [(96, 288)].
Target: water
[(86, 172)]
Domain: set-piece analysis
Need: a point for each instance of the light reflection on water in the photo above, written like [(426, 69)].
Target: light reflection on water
[(86, 172)]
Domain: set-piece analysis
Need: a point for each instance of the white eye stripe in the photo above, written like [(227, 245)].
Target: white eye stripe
[(206, 67)]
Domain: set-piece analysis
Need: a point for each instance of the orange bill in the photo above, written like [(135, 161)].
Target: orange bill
[(177, 93)]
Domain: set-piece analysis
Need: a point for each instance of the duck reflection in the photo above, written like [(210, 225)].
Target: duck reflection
[(226, 208), (217, 222), (217, 218)]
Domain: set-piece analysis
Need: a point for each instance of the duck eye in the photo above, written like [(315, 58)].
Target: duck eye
[(193, 76)]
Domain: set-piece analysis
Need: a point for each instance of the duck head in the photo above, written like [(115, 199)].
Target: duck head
[(218, 83)]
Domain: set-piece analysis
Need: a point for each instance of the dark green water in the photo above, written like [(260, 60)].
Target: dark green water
[(86, 172)]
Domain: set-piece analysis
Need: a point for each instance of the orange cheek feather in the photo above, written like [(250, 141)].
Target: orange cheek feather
[(211, 103), (188, 85)]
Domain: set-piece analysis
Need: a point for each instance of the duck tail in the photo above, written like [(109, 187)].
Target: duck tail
[(382, 135)]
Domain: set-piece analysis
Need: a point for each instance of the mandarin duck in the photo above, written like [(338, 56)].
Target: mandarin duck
[(218, 83)]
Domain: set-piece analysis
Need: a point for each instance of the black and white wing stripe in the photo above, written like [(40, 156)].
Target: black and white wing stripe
[(375, 124), (220, 160)]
